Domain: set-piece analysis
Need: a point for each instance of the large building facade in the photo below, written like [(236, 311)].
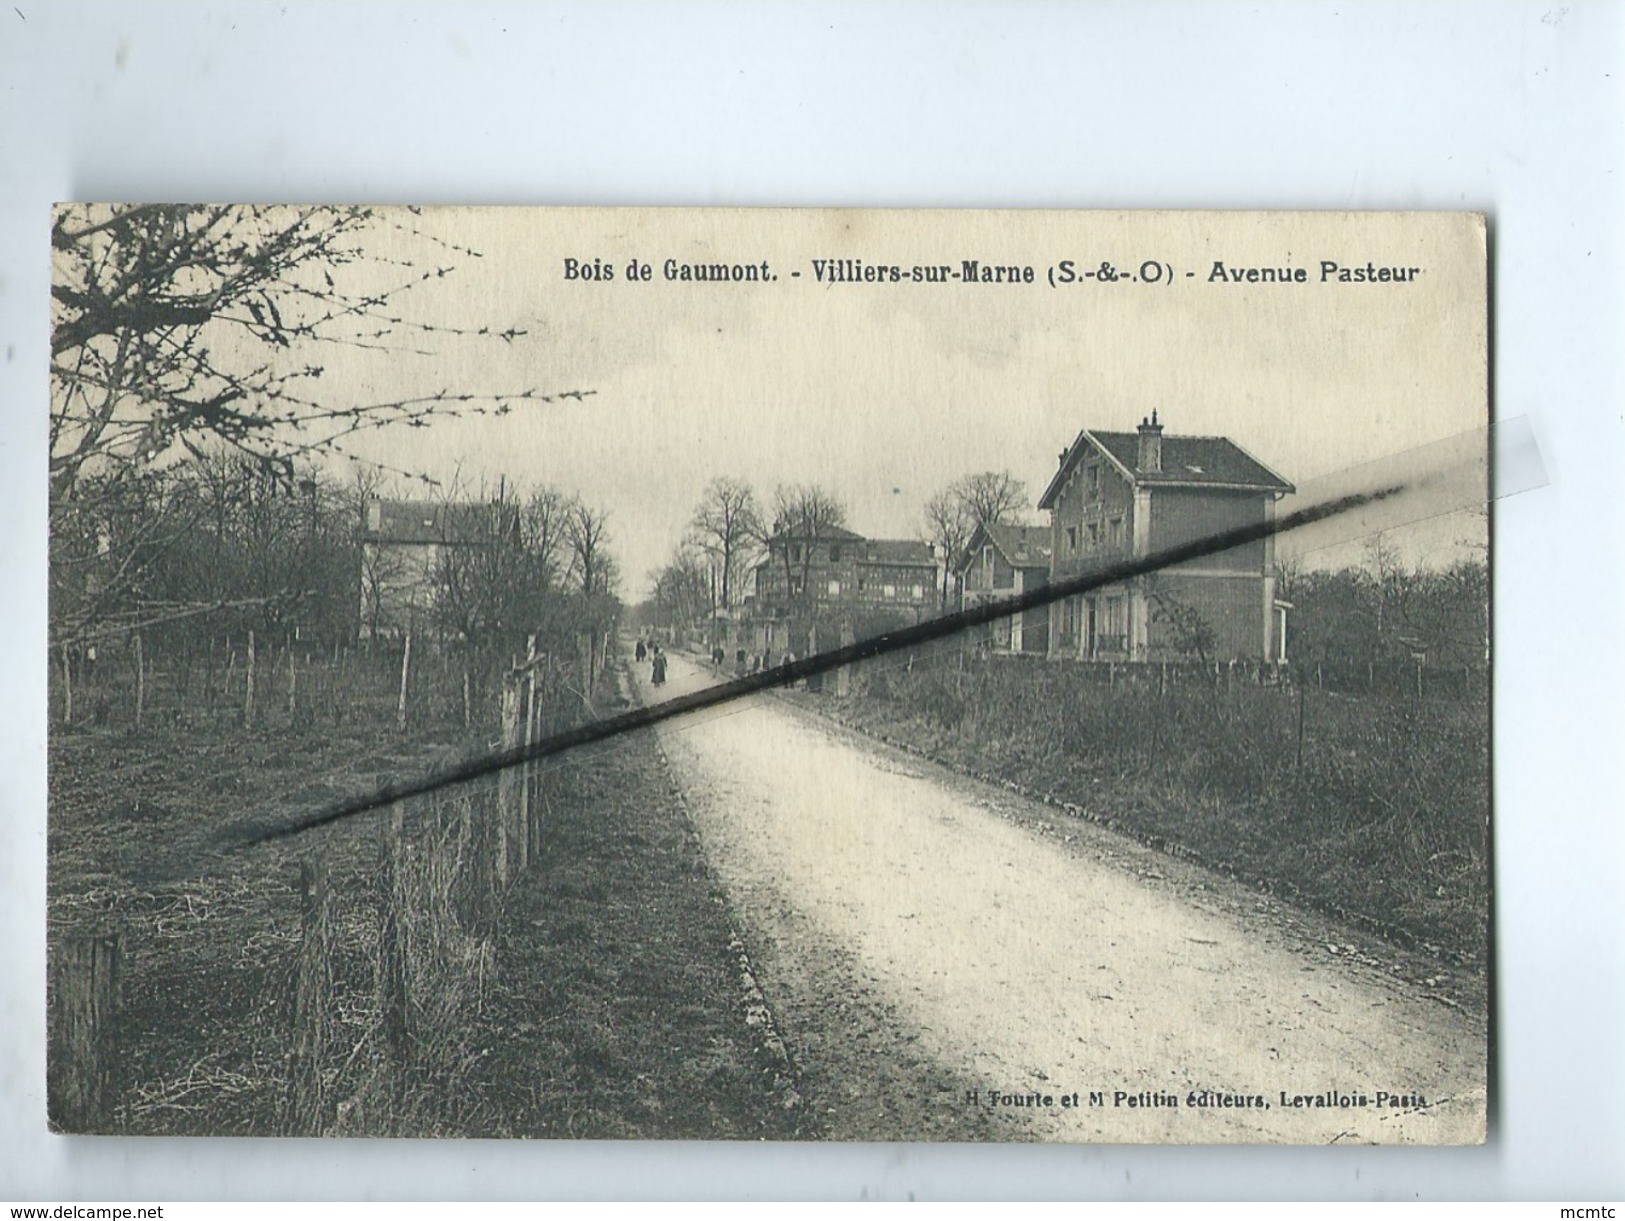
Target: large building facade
[(1127, 495), (839, 573)]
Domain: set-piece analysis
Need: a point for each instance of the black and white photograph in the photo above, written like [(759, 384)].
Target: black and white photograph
[(752, 674)]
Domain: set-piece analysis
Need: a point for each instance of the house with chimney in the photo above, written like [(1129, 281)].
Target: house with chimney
[(1002, 561), (1127, 495), (835, 572)]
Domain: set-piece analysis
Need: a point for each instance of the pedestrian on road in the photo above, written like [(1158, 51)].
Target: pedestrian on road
[(658, 668), (641, 651)]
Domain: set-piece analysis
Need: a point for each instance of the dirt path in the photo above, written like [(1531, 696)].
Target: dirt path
[(944, 966)]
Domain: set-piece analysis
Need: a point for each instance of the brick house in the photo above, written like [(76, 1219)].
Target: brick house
[(1120, 495), (1001, 562), (846, 576)]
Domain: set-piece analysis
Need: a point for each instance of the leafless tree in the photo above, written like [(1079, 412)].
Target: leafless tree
[(991, 498), (948, 528), (1386, 580), (543, 525), (726, 526), (802, 514), (484, 575), (682, 588), (952, 516), (183, 330), (586, 531)]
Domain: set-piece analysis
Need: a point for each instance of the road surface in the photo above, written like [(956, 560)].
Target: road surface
[(935, 963)]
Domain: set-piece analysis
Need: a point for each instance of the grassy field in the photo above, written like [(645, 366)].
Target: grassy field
[(1372, 808), (604, 1001)]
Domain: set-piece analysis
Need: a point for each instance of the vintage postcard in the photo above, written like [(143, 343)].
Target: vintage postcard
[(769, 674)]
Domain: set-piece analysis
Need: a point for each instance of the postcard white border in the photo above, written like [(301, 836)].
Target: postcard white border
[(1511, 108)]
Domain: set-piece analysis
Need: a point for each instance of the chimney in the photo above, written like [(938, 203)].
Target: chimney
[(1150, 458)]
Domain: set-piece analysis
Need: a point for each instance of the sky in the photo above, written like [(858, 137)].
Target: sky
[(883, 393)]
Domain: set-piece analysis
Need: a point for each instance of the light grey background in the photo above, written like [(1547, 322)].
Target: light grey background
[(1514, 109)]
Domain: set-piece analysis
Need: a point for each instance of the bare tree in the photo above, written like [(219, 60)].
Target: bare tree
[(802, 514), (681, 588), (586, 530), (177, 329), (948, 528), (485, 578), (726, 526), (1386, 581), (991, 498), (952, 516), (543, 524)]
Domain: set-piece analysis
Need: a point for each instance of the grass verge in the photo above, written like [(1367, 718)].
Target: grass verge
[(619, 1008), (1369, 808)]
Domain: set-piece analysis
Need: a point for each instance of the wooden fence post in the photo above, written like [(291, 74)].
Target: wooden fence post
[(513, 812), (1297, 764), (531, 825), (406, 672), (391, 977), (83, 1092), (306, 1110), (487, 808), (510, 780), (67, 684), (248, 695), (514, 816), (140, 680)]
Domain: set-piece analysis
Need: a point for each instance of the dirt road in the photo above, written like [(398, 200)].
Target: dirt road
[(940, 969)]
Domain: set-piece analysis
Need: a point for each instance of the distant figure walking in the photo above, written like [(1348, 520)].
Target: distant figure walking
[(641, 651), (659, 668), (716, 656)]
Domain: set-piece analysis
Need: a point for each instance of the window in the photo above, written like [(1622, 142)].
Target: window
[(834, 555), (1091, 478), (919, 592), (890, 591), (987, 567), (1071, 538), (795, 553), (835, 589), (1114, 532), (1094, 535), (1111, 627)]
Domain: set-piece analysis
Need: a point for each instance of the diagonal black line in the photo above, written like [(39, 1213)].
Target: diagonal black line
[(821, 663)]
